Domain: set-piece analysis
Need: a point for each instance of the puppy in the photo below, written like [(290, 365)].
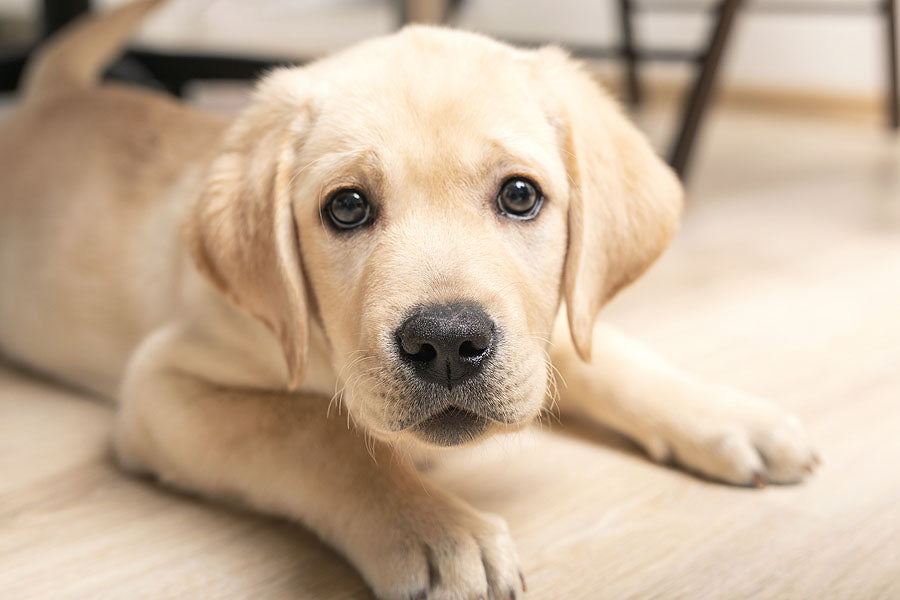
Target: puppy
[(401, 222)]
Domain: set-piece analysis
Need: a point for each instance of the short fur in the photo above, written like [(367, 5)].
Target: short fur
[(180, 263)]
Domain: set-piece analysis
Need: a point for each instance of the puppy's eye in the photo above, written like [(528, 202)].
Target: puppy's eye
[(519, 198), (348, 208)]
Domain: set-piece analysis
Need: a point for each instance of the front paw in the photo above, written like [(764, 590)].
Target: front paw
[(733, 437), (443, 550)]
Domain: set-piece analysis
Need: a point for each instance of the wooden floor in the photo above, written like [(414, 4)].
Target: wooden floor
[(785, 280)]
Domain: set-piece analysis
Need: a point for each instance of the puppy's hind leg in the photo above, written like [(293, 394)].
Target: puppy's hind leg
[(712, 429)]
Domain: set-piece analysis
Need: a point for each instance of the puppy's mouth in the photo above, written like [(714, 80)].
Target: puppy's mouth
[(452, 426)]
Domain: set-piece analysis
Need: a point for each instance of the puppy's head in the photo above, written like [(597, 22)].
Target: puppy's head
[(429, 199)]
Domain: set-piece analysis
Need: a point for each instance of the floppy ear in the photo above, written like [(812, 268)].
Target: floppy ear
[(624, 201), (242, 233)]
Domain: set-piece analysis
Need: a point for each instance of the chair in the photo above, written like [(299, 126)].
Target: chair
[(708, 60)]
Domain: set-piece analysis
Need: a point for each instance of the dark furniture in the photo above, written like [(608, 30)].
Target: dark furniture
[(708, 60)]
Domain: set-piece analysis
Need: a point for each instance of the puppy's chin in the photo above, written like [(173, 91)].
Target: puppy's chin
[(452, 426), (442, 418)]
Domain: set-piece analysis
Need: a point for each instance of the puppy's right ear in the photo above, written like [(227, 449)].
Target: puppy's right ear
[(624, 202), (241, 232)]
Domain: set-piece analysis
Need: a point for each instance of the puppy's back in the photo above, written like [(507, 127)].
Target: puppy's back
[(95, 179)]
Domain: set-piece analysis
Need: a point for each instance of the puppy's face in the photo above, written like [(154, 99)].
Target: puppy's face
[(436, 210), (432, 206)]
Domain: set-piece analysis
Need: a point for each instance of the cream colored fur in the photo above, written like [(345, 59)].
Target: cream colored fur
[(179, 263)]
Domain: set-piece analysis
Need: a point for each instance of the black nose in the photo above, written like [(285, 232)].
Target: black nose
[(446, 343)]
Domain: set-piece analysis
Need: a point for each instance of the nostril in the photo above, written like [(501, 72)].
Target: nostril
[(469, 349), (424, 353)]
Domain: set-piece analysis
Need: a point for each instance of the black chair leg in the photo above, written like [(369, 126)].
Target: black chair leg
[(893, 93), (695, 106), (57, 13), (11, 68), (629, 53)]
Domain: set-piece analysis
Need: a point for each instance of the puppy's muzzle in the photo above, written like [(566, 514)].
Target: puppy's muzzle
[(446, 344)]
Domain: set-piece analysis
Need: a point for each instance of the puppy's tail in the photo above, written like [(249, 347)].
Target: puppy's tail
[(77, 55)]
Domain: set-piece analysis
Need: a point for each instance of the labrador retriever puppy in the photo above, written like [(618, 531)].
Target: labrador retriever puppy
[(401, 222)]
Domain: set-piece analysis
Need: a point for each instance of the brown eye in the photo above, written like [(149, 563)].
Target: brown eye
[(519, 198), (348, 208)]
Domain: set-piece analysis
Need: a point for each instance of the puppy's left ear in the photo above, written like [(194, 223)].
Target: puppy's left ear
[(241, 232), (624, 202)]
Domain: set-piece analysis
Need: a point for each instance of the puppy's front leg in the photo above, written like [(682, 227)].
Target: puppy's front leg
[(280, 454), (713, 429)]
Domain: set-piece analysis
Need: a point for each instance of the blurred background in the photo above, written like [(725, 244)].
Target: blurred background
[(809, 56), (781, 117)]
